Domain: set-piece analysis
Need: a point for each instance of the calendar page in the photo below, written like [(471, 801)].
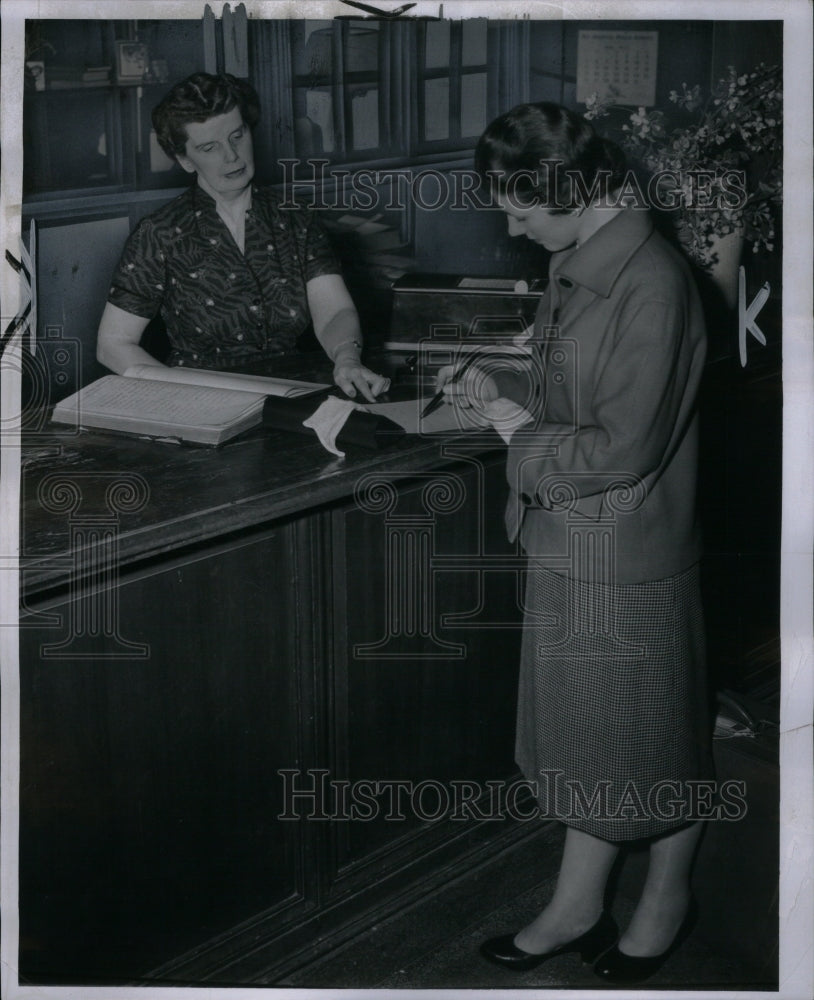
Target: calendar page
[(620, 65)]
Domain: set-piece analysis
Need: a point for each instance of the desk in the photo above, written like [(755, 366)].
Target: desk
[(196, 621)]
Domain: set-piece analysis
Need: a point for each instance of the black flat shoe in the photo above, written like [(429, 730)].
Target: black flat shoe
[(503, 951), (617, 967)]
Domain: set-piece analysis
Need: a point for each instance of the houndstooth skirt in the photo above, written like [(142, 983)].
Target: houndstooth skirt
[(612, 708)]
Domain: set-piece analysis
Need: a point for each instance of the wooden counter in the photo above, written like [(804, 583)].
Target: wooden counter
[(197, 621)]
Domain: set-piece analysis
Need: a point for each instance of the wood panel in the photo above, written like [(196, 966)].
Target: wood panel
[(75, 263), (423, 695), (149, 790), (153, 847)]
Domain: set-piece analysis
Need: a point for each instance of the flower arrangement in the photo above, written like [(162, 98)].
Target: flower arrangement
[(736, 132)]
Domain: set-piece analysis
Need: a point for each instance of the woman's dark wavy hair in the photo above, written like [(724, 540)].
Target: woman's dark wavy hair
[(197, 99), (521, 139)]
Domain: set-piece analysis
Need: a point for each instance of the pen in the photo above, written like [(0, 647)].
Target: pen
[(438, 398)]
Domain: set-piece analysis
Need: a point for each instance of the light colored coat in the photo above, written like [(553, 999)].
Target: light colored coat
[(610, 457)]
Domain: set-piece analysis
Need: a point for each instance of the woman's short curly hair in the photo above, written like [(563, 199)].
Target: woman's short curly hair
[(197, 99), (537, 149)]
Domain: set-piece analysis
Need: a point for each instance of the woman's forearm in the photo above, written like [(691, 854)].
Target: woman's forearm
[(118, 357), (336, 324), (117, 344), (341, 338)]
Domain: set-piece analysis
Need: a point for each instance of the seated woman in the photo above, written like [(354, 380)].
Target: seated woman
[(236, 278)]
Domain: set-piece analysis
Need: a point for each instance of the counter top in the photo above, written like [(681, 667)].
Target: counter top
[(159, 496)]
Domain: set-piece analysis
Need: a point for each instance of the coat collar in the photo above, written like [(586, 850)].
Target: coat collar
[(600, 260)]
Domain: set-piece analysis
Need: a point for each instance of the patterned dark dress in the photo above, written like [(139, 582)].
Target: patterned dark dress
[(223, 308)]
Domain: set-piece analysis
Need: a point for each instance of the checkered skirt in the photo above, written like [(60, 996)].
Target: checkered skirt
[(612, 707)]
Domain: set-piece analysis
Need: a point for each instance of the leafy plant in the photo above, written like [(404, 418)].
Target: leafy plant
[(738, 127)]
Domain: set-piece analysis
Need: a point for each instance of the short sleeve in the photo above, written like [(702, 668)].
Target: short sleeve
[(318, 256), (138, 282)]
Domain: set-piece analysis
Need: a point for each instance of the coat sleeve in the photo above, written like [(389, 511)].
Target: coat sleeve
[(642, 402)]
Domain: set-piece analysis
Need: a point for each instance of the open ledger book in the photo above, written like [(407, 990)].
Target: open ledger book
[(206, 407)]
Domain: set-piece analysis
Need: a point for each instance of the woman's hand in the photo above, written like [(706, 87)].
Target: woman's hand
[(351, 376), (477, 392), (473, 389), (336, 324)]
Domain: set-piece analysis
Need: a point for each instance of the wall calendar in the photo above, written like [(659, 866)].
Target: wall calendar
[(618, 66)]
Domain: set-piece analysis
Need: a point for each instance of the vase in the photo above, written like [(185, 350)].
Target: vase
[(723, 271)]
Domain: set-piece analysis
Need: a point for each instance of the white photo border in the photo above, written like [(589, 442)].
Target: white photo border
[(797, 578)]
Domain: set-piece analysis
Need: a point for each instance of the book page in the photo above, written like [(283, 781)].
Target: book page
[(226, 380), (119, 402)]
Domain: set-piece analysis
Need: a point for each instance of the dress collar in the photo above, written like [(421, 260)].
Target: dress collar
[(208, 223), (600, 260), (202, 201)]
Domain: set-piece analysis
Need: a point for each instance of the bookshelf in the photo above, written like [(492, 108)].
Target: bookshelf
[(89, 89)]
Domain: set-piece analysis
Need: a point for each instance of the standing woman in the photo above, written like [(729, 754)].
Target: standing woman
[(612, 698)]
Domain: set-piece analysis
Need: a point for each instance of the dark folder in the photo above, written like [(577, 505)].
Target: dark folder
[(365, 430)]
